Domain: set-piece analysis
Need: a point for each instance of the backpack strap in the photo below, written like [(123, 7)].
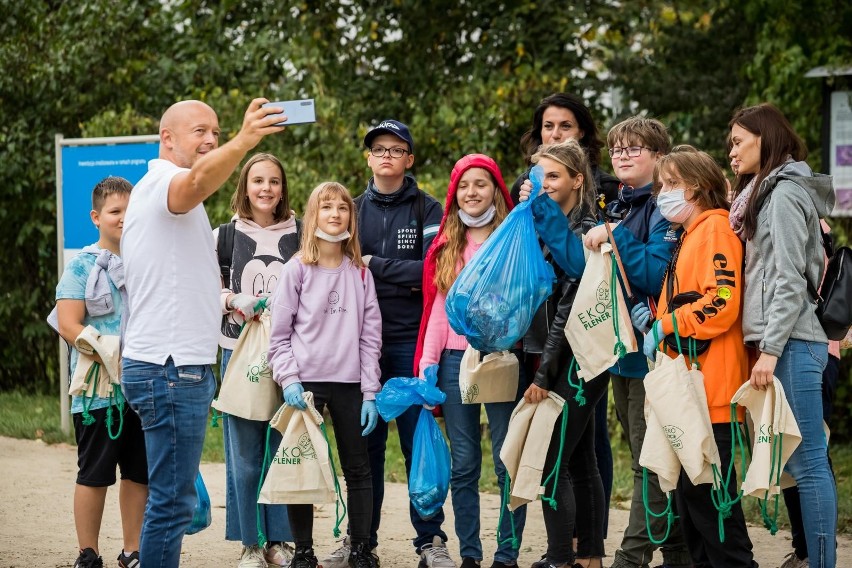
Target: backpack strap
[(828, 247), (225, 250)]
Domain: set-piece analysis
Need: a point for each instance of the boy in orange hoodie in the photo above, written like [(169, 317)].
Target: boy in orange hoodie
[(702, 292)]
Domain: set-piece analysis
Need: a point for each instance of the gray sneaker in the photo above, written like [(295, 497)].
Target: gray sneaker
[(793, 561), (340, 557), (436, 555)]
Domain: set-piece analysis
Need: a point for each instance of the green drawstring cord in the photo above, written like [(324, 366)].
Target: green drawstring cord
[(668, 512), (620, 350), (214, 417), (93, 374), (771, 522), (554, 474), (338, 503), (115, 397), (579, 398), (513, 540), (261, 536)]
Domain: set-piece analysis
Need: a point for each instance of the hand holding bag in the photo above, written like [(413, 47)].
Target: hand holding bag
[(493, 378)]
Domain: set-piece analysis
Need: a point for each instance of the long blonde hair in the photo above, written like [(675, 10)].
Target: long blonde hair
[(309, 249), (451, 258), (572, 156)]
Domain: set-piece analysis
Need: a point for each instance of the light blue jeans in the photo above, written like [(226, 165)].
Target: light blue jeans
[(462, 421), (173, 404), (244, 453), (800, 371)]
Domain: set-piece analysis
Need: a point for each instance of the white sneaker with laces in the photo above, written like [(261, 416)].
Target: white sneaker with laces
[(436, 555), (279, 555), (340, 557), (793, 561), (252, 557)]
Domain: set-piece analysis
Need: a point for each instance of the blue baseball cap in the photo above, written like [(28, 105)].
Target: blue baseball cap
[(390, 126)]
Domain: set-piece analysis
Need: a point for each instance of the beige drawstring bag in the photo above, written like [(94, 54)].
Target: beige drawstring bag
[(90, 377), (248, 389), (676, 396), (300, 472), (599, 329), (493, 378), (774, 436), (525, 447), (657, 454)]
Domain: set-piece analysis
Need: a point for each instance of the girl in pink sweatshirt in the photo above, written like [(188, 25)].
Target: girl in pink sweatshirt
[(477, 202), (325, 338)]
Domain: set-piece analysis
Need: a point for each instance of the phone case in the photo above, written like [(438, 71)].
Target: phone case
[(297, 112)]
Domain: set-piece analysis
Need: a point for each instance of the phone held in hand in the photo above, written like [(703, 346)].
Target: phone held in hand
[(297, 112)]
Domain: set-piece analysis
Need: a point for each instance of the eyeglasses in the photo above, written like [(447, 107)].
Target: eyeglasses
[(632, 151), (395, 152)]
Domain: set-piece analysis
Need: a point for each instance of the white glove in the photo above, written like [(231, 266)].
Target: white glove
[(244, 305)]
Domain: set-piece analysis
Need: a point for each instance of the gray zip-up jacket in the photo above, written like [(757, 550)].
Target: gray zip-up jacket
[(785, 251)]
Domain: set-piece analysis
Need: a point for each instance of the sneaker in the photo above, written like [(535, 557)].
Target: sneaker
[(362, 557), (340, 557), (128, 560), (252, 557), (545, 563), (469, 563), (304, 558), (499, 564), (89, 559), (435, 555), (279, 554), (793, 561)]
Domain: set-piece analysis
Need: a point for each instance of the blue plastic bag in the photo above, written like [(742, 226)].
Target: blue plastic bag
[(497, 293), (400, 393), (429, 480), (202, 517)]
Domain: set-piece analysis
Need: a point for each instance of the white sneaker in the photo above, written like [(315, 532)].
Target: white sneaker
[(252, 557), (436, 555), (279, 555), (793, 561), (340, 557)]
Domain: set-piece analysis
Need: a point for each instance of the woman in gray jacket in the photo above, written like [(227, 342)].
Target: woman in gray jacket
[(777, 209)]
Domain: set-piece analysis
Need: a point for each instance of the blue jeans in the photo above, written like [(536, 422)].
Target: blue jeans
[(462, 421), (173, 404), (398, 361), (244, 453), (800, 371)]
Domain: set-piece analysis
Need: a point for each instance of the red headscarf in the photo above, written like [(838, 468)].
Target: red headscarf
[(431, 261)]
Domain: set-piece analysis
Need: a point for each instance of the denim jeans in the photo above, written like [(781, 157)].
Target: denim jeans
[(244, 453), (398, 361), (173, 404), (800, 371), (462, 421)]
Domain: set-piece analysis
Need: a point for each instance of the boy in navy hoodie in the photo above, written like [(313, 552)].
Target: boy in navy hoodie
[(396, 224)]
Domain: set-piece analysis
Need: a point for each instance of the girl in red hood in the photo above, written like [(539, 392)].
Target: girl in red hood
[(477, 202)]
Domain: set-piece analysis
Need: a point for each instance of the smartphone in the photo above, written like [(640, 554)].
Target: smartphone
[(297, 112)]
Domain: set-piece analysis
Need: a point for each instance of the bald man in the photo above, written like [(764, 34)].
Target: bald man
[(172, 281)]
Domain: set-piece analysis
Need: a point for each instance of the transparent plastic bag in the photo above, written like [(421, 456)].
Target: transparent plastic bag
[(497, 293), (202, 517), (400, 393), (429, 480)]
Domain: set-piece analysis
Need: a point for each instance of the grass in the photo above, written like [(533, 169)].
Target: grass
[(38, 417)]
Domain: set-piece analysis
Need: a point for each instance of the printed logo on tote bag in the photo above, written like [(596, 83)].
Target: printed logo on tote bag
[(293, 456), (257, 371)]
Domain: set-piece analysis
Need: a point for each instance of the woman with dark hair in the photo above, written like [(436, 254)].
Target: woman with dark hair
[(776, 189), (557, 118)]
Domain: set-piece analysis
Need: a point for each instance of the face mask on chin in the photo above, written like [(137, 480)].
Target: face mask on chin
[(332, 238), (480, 221), (674, 206)]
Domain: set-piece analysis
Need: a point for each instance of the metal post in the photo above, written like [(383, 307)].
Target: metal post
[(64, 401)]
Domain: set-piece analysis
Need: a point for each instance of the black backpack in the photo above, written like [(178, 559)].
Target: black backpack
[(225, 248), (834, 301)]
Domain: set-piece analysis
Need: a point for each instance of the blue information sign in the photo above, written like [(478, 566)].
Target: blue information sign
[(82, 168)]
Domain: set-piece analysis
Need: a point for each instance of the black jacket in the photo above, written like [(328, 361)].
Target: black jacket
[(388, 231)]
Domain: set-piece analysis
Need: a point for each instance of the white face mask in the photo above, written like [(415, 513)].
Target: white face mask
[(481, 221), (674, 206), (332, 238)]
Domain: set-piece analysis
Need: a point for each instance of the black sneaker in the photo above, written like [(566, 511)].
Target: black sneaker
[(304, 558), (128, 560), (89, 559), (469, 563), (362, 557)]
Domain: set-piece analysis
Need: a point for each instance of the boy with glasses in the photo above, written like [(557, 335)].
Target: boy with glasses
[(396, 224)]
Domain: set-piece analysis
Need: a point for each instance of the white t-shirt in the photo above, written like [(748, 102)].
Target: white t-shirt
[(171, 276)]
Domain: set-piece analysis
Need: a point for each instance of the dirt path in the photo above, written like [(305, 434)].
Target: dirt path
[(37, 524)]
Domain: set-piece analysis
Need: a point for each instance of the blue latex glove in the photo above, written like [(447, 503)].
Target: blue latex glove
[(369, 416), (293, 396), (650, 345), (641, 317)]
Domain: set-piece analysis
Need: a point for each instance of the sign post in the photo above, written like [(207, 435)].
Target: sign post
[(80, 164)]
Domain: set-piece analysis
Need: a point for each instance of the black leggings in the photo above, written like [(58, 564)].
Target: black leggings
[(344, 405), (579, 492)]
